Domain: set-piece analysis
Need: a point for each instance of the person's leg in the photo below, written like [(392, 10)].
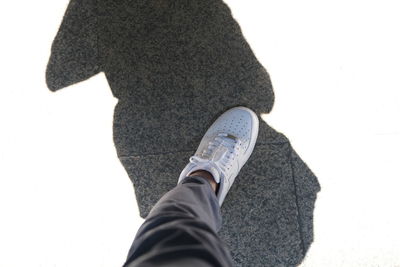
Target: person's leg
[(181, 229)]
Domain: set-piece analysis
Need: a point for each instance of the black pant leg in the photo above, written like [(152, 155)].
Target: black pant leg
[(181, 230)]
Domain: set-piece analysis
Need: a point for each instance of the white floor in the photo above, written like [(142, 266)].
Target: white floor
[(65, 199)]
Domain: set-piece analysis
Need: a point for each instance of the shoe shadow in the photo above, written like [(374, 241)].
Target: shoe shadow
[(175, 66)]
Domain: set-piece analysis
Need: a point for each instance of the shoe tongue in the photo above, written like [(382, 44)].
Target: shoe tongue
[(215, 173), (208, 167), (219, 153), (222, 149), (234, 138), (204, 164)]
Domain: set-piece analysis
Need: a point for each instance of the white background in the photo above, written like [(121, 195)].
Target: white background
[(65, 199)]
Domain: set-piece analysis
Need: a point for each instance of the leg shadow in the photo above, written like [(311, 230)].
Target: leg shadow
[(267, 215)]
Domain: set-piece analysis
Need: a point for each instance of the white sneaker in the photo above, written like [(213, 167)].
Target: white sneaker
[(225, 148)]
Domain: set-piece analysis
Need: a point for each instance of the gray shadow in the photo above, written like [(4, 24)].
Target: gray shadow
[(175, 66)]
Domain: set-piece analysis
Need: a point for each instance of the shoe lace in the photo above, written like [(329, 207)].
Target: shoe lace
[(220, 158)]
